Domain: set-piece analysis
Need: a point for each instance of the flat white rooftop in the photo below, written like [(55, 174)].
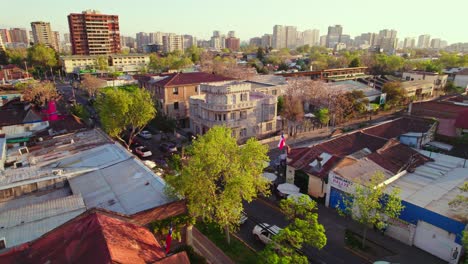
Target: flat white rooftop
[(434, 184)]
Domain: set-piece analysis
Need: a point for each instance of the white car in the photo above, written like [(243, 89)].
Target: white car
[(143, 152), (145, 134), (264, 232)]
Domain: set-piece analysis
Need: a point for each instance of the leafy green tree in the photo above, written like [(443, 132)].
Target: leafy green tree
[(370, 206), (260, 53), (323, 116), (220, 175), (450, 88), (396, 95), (42, 57), (124, 111), (102, 64), (194, 53), (304, 229), (80, 111), (355, 63), (303, 49), (17, 56), (280, 104), (91, 84)]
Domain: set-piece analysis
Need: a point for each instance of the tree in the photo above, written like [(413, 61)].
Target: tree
[(17, 56), (280, 104), (396, 95), (450, 88), (80, 111), (102, 64), (260, 53), (304, 229), (460, 202), (194, 53), (370, 206), (355, 63), (125, 110), (40, 93), (42, 57), (323, 116), (91, 84), (220, 175)]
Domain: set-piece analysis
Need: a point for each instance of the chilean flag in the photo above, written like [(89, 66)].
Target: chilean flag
[(281, 142), (168, 240)]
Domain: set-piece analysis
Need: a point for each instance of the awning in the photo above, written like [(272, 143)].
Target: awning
[(17, 140), (288, 188), (270, 176)]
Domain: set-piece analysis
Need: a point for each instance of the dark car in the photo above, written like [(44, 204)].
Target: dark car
[(168, 147)]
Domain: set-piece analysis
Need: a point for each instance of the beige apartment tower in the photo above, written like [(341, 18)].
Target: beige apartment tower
[(43, 34)]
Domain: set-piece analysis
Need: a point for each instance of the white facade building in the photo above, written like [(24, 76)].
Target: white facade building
[(235, 105)]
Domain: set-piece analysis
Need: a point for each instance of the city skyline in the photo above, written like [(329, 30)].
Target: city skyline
[(201, 18)]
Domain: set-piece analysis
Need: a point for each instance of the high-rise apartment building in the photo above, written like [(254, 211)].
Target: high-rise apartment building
[(267, 40), (424, 41), (436, 43), (291, 37), (387, 40), (5, 35), (19, 35), (142, 39), (156, 37), (409, 43), (231, 34), (93, 33), (172, 42), (367, 39), (189, 41), (323, 40), (310, 37), (279, 37), (2, 47), (232, 44), (334, 35), (257, 41), (43, 34)]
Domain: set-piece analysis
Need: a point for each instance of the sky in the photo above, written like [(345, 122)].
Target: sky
[(251, 18)]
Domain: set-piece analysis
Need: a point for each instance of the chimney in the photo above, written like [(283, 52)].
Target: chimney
[(410, 108), (319, 163)]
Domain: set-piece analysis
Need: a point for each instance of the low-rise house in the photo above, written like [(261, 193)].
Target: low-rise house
[(461, 79), (439, 80), (427, 186), (172, 91), (12, 72), (370, 93), (235, 105), (418, 89), (268, 84), (70, 173), (94, 236), (445, 112), (80, 64)]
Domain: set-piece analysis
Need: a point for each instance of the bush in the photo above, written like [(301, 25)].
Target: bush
[(80, 111)]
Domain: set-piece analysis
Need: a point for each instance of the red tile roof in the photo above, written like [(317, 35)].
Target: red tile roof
[(179, 78), (396, 157), (400, 126), (462, 120), (338, 147), (435, 109), (91, 238)]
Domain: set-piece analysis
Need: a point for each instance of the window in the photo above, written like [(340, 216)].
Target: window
[(269, 126), (233, 116), (176, 105), (243, 132), (196, 89), (243, 115), (175, 90), (274, 92)]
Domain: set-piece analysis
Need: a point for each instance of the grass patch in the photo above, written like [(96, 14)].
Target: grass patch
[(237, 251)]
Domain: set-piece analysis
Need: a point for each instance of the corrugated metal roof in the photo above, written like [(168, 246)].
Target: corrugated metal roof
[(30, 222), (433, 184), (126, 187)]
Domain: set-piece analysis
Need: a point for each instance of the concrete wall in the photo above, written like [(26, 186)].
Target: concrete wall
[(461, 80)]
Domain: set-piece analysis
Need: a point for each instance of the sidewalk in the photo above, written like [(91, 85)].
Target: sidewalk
[(208, 249)]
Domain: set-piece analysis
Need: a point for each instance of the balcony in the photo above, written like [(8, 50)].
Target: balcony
[(228, 108), (211, 123)]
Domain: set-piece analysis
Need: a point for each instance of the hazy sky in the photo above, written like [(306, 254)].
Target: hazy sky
[(250, 18)]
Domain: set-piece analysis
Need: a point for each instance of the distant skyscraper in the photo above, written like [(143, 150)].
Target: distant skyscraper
[(311, 37), (189, 41), (367, 39), (232, 44), (66, 38), (279, 37), (2, 47), (43, 34), (5, 35), (424, 41), (267, 40), (142, 39), (93, 33), (216, 33), (436, 43), (323, 40), (231, 34), (19, 35), (409, 43), (387, 40), (334, 35), (291, 37), (172, 42)]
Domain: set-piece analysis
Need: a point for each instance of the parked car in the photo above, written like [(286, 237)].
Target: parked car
[(161, 162), (143, 151), (264, 232), (168, 147), (145, 134)]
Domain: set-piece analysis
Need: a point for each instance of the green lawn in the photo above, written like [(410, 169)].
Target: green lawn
[(237, 251)]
